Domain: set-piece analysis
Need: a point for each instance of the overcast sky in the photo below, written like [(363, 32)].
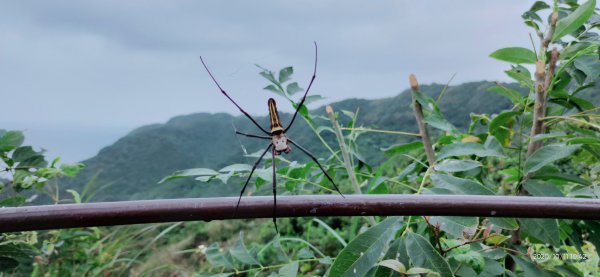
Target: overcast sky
[(77, 75)]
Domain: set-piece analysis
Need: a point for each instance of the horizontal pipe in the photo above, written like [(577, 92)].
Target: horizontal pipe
[(28, 218)]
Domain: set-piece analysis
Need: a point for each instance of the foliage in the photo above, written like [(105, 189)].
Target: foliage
[(481, 153)]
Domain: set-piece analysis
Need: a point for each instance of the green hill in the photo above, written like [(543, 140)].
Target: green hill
[(132, 166)]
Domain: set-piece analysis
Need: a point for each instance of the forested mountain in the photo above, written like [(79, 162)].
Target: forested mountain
[(132, 166)]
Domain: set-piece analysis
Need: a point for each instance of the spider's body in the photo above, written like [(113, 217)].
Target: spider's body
[(279, 140)]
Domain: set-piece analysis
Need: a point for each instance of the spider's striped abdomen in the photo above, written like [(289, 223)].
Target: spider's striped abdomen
[(276, 126)]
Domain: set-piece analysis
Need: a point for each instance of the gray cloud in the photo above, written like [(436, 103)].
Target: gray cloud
[(113, 65)]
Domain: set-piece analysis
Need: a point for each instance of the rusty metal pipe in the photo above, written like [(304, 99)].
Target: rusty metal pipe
[(171, 210)]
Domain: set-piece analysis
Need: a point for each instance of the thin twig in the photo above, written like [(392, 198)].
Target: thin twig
[(346, 157), (418, 110)]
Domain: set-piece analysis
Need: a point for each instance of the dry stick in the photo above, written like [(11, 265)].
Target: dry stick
[(414, 85), (346, 156)]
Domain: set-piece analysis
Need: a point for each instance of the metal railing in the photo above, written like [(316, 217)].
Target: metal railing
[(27, 218)]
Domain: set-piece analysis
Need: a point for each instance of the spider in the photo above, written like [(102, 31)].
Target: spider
[(279, 141)]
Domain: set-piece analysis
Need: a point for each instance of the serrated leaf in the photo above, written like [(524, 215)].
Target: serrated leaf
[(518, 55), (402, 148), (362, 252), (452, 165), (454, 225), (422, 254), (574, 20), (548, 154)]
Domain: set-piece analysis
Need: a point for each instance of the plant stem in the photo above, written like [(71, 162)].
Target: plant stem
[(346, 157), (418, 110)]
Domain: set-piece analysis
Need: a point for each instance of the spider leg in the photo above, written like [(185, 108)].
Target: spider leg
[(250, 176), (251, 135), (305, 93), (227, 95), (274, 192), (318, 163)]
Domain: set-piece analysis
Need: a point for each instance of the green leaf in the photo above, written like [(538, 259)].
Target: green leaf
[(240, 253), (454, 225), (394, 265), (537, 188), (504, 222), (437, 120), (542, 175), (544, 229), (397, 250), (529, 268), (589, 65), (268, 75), (452, 165), (514, 96), (460, 185), (11, 140), (501, 127), (24, 153), (584, 141), (289, 270), (422, 254), (468, 148), (518, 55), (548, 154), (275, 89), (76, 196), (218, 258), (420, 270), (293, 88), (362, 252), (538, 6), (236, 168), (285, 74), (403, 148), (189, 172), (13, 201), (574, 20), (521, 75), (71, 170)]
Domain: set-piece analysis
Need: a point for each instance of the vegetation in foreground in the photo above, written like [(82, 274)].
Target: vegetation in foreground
[(491, 155)]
